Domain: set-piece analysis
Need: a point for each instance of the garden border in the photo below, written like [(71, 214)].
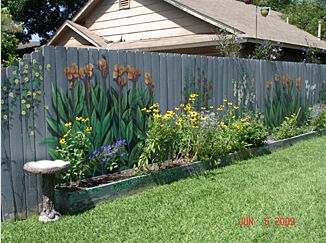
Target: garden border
[(83, 199)]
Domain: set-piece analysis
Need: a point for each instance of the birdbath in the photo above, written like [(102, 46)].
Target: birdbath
[(47, 168)]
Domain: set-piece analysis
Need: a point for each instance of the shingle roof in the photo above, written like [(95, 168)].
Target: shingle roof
[(242, 17)]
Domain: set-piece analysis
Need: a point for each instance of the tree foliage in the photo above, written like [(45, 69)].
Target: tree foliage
[(306, 14), (9, 40), (42, 17)]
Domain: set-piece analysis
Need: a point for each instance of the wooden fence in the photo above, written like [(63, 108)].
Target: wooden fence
[(27, 98)]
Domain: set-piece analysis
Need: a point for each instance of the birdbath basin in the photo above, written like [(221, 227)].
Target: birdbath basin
[(47, 168)]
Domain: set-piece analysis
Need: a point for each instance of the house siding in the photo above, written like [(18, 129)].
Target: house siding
[(71, 38), (145, 19)]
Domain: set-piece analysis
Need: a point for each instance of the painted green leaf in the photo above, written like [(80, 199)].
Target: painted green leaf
[(108, 138), (123, 129), (53, 154), (146, 97), (76, 95), (126, 115), (140, 135), (131, 97), (61, 111), (51, 141), (130, 132), (53, 126), (124, 101), (115, 103)]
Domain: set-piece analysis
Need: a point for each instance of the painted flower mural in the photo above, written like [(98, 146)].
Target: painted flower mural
[(114, 112)]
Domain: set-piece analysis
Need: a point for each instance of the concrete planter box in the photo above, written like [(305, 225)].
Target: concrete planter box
[(82, 199)]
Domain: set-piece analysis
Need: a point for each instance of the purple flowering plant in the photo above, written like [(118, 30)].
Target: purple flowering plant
[(267, 51), (109, 157)]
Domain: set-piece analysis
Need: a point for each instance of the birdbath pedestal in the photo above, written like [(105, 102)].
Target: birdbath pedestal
[(47, 168)]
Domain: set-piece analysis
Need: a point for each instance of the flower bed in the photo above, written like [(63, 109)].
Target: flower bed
[(81, 199)]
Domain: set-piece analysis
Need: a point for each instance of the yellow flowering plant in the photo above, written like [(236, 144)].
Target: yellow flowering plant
[(74, 147), (171, 135)]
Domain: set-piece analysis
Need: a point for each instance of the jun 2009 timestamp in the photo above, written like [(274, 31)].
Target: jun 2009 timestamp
[(267, 221)]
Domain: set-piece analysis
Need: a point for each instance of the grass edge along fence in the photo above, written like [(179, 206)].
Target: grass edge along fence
[(51, 86)]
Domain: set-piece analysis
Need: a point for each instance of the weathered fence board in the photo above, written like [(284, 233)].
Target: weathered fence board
[(174, 76), (7, 194), (16, 145)]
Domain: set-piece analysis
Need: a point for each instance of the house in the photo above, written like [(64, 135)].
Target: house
[(179, 26)]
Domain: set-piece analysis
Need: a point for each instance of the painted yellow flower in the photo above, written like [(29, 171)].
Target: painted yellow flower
[(23, 113), (66, 135), (78, 118), (229, 103), (225, 100), (211, 107), (236, 107), (220, 109), (62, 141), (11, 94), (4, 88), (28, 106), (23, 101), (4, 117), (29, 93), (176, 108), (180, 120), (229, 147), (182, 105), (144, 109), (156, 111), (178, 123), (89, 129)]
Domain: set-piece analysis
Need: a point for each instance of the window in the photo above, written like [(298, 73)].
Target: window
[(124, 4)]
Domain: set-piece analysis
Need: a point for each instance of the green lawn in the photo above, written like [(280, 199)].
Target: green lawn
[(208, 208)]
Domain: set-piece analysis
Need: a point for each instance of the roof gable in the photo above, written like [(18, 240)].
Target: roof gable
[(81, 31)]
